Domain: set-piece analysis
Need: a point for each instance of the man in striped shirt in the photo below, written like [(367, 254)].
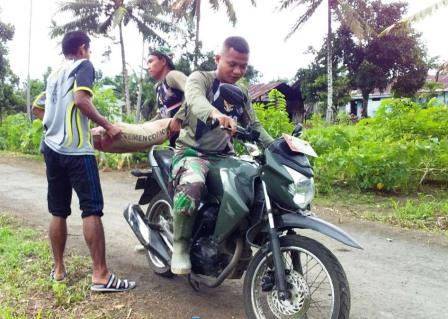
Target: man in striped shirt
[(66, 108)]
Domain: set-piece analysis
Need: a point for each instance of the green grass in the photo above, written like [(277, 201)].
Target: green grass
[(26, 290), (427, 210), (22, 260)]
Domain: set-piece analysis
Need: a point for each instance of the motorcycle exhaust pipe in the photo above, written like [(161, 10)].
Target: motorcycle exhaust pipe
[(148, 234)]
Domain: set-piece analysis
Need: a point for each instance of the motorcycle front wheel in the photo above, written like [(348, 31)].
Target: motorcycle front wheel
[(317, 284), (159, 212)]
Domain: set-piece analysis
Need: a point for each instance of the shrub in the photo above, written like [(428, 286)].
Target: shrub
[(273, 115), (106, 103), (403, 146), (18, 134)]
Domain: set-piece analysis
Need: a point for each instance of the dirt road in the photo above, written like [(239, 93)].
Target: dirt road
[(399, 274)]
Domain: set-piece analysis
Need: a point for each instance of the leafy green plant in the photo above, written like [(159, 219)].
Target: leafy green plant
[(18, 134), (404, 146), (273, 115), (106, 103), (343, 118)]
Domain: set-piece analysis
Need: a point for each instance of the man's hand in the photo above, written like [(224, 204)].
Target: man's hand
[(175, 126), (38, 112), (113, 131), (224, 121)]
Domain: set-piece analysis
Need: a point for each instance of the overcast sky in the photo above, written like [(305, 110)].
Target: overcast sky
[(263, 27)]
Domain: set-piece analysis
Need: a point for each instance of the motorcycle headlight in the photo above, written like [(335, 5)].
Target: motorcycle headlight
[(302, 189)]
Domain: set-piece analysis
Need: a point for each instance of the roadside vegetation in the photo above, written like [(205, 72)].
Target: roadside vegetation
[(26, 290), (426, 210), (401, 148)]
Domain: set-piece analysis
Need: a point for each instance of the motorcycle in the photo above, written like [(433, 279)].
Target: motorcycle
[(249, 221)]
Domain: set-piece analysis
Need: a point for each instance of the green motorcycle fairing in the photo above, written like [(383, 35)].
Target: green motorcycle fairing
[(231, 180), (277, 181)]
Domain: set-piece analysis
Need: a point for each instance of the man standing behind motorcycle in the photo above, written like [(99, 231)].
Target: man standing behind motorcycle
[(198, 142), (169, 89)]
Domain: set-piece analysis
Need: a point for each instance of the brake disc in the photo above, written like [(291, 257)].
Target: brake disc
[(298, 303)]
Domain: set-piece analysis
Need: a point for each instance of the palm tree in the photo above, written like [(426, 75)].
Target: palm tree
[(191, 9), (420, 15), (346, 14), (102, 16)]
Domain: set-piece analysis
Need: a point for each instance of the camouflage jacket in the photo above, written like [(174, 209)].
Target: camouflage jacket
[(201, 97)]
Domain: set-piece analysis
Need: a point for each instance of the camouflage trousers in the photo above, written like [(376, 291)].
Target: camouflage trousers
[(188, 172)]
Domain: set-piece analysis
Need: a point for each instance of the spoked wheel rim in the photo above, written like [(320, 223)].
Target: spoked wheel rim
[(309, 283), (160, 213)]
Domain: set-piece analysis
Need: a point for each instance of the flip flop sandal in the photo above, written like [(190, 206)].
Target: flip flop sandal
[(52, 276), (114, 284)]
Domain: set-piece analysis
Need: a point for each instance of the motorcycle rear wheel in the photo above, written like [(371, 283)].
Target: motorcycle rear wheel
[(160, 212), (317, 283)]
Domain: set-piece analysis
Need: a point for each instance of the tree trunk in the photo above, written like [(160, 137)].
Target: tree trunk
[(140, 85), (125, 73), (365, 103), (196, 44), (329, 116)]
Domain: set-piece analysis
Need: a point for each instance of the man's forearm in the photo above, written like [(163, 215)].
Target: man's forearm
[(84, 104)]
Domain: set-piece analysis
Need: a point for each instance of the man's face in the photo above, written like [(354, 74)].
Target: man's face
[(155, 67), (84, 51), (232, 65)]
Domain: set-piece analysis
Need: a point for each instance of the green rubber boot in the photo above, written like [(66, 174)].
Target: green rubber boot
[(183, 229)]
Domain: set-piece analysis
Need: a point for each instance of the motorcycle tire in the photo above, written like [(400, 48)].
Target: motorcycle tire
[(261, 299), (158, 206)]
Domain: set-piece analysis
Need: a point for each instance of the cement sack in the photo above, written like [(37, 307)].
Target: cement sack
[(133, 137)]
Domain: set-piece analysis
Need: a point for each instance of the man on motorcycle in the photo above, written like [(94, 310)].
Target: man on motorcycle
[(198, 141)]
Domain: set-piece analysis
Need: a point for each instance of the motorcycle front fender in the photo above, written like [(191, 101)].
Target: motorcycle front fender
[(290, 220)]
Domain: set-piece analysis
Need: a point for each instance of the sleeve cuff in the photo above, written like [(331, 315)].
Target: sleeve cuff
[(83, 88)]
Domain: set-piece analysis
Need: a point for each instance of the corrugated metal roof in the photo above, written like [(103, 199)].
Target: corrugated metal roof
[(258, 90), (356, 94)]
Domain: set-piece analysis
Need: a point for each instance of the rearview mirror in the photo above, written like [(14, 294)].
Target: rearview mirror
[(298, 130), (232, 94)]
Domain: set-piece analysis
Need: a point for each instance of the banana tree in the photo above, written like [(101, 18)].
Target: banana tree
[(104, 16)]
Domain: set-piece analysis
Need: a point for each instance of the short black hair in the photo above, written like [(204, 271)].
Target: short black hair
[(237, 43), (73, 40), (160, 55)]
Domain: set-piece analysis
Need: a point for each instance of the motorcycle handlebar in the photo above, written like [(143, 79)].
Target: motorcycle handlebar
[(243, 134)]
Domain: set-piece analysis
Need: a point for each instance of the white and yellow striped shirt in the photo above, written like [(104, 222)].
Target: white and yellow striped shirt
[(66, 129)]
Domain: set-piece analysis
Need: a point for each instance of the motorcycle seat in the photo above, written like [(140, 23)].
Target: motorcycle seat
[(163, 159)]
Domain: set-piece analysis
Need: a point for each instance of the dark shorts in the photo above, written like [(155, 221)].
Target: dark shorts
[(67, 172)]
